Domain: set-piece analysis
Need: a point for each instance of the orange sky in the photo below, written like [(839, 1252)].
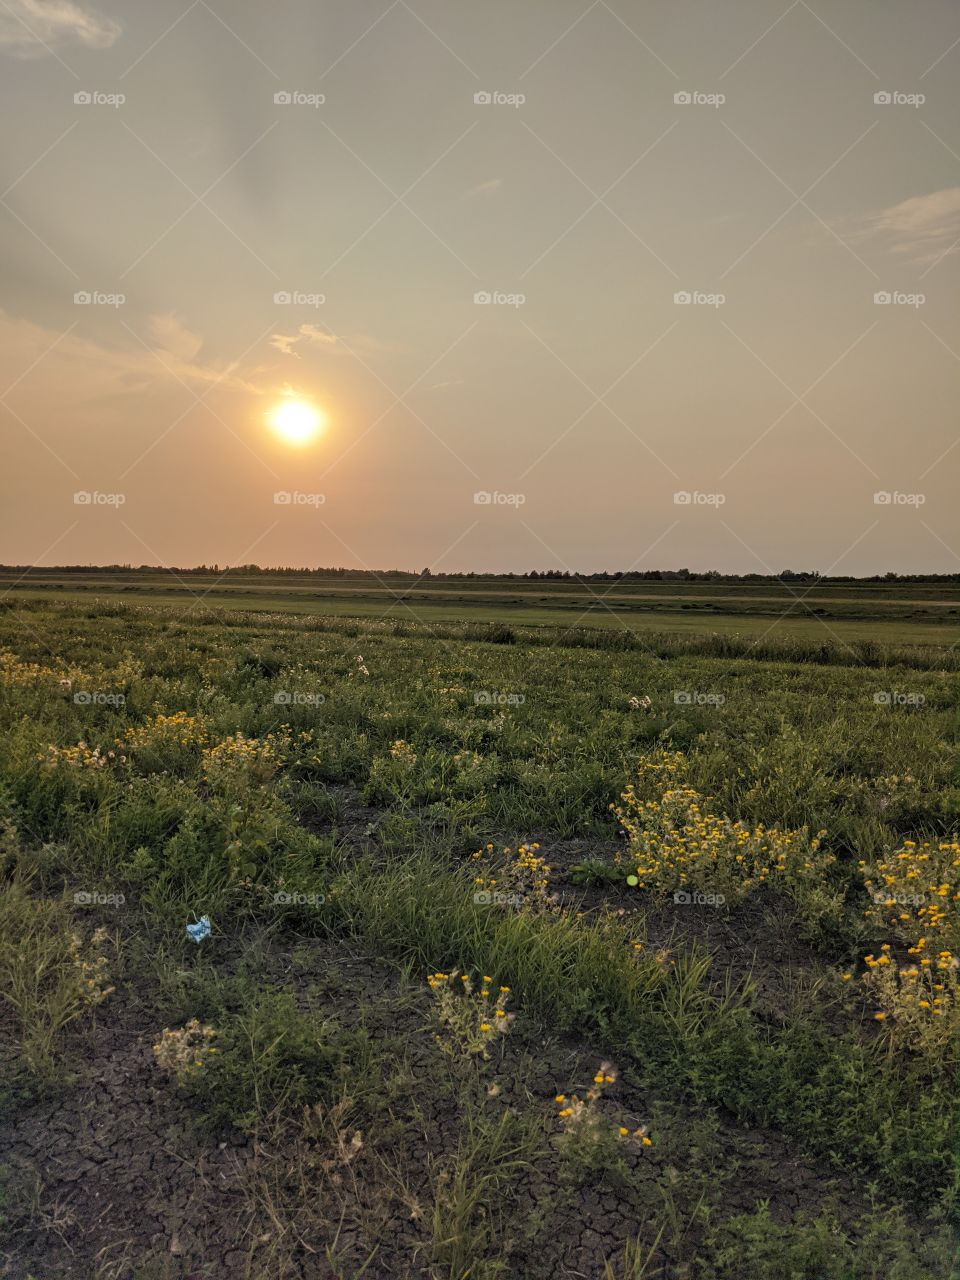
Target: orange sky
[(318, 210)]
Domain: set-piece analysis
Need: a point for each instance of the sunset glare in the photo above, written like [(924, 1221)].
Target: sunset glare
[(295, 421)]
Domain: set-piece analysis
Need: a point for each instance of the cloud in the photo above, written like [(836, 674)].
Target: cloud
[(306, 333), (492, 184), (922, 229), (354, 344), (170, 335), (96, 371), (29, 28)]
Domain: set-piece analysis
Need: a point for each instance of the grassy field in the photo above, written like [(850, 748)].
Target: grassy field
[(915, 614), (474, 940)]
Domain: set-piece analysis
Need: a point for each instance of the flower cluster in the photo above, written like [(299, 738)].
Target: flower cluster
[(587, 1138), (520, 877), (177, 730), (658, 771), (90, 967), (675, 841), (183, 1051), (889, 788), (919, 1002), (14, 673), (467, 762), (251, 760), (361, 666), (641, 704), (80, 756), (470, 1020), (915, 891), (403, 753)]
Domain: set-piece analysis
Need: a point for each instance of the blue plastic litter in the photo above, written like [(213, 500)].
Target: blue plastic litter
[(200, 930)]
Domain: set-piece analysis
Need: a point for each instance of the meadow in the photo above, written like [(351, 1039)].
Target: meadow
[(478, 943), (922, 614)]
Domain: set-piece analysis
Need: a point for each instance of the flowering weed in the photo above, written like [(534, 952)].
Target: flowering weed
[(588, 1139), (675, 842), (50, 975), (470, 1019), (183, 1051)]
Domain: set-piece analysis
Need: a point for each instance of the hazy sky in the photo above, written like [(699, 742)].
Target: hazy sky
[(783, 197)]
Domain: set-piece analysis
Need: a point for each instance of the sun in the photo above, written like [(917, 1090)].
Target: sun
[(295, 421)]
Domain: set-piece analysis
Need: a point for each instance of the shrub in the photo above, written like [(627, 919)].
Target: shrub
[(269, 1059)]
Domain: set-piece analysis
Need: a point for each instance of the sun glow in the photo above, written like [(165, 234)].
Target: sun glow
[(295, 421)]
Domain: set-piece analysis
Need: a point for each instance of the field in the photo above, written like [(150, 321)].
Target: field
[(918, 614), (470, 930)]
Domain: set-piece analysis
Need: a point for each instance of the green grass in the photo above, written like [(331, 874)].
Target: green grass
[(903, 613), (738, 1019)]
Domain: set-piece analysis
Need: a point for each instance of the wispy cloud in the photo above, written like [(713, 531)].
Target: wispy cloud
[(922, 229), (95, 370), (492, 184), (351, 344), (306, 333), (30, 28), (171, 335)]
